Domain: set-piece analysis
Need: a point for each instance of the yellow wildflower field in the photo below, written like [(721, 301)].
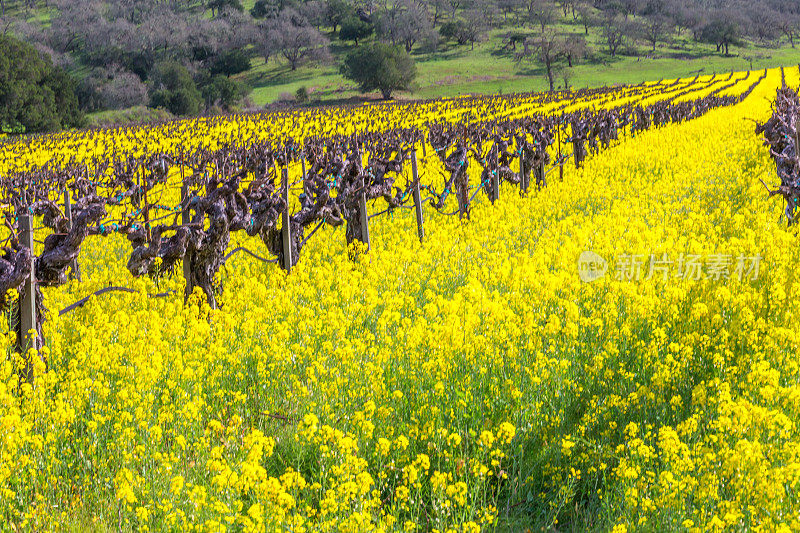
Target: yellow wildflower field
[(472, 381)]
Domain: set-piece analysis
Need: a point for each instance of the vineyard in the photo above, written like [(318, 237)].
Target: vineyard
[(379, 317)]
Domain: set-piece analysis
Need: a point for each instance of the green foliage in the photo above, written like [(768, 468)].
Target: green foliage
[(216, 5), (449, 29), (222, 91), (174, 89), (261, 9), (66, 103), (455, 30), (380, 67), (230, 62), (337, 11), (301, 95), (184, 102), (202, 52), (171, 75), (140, 63), (721, 32), (353, 29), (35, 96), (132, 115)]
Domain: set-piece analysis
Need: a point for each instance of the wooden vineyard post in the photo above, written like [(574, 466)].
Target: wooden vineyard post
[(462, 193), (286, 230), (540, 174), (146, 207), (575, 144), (797, 142), (423, 142), (560, 161), (185, 219), (75, 272), (362, 213), (495, 186), (417, 197), (523, 181), (27, 302), (305, 186)]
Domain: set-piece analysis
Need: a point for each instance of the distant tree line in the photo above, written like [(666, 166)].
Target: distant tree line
[(185, 55)]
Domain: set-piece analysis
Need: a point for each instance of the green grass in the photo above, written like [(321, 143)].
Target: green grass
[(40, 14), (131, 115), (456, 70)]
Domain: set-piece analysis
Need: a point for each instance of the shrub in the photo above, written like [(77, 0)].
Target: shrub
[(35, 96), (221, 91), (174, 89), (111, 89), (230, 63), (353, 29), (380, 67)]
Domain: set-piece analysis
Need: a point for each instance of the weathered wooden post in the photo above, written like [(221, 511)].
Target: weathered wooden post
[(576, 145), (540, 174), (495, 186), (305, 186), (797, 141), (417, 197), (27, 302), (75, 271), (461, 194), (185, 219), (523, 179), (146, 207), (286, 231), (362, 213), (560, 161)]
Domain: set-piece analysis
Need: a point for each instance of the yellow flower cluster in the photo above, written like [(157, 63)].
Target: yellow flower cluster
[(462, 383)]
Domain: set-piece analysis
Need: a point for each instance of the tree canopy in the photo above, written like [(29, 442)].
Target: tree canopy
[(175, 90), (35, 96), (353, 29), (380, 66)]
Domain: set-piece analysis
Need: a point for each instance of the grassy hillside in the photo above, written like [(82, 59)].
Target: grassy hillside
[(455, 70)]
